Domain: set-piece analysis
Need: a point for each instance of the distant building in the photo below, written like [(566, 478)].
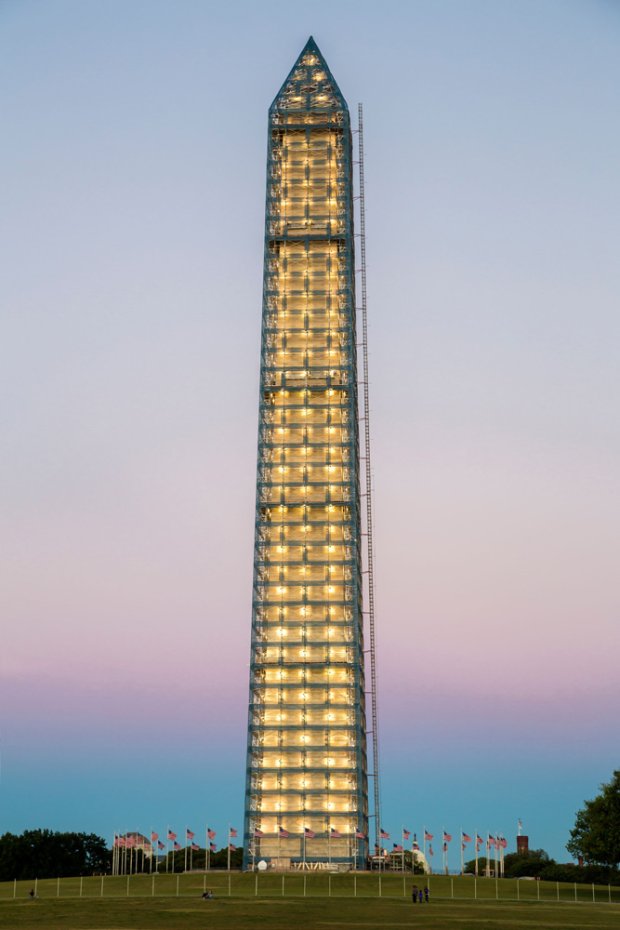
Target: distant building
[(523, 846)]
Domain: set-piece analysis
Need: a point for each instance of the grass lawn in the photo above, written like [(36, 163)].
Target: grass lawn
[(293, 913)]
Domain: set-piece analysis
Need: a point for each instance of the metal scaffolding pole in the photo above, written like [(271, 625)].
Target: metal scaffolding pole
[(368, 470)]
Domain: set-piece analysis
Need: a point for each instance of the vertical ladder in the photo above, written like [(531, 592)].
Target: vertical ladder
[(369, 554)]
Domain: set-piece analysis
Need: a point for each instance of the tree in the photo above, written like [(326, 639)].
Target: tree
[(44, 854), (532, 864), (596, 834)]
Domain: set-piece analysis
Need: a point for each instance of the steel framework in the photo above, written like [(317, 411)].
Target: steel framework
[(307, 782)]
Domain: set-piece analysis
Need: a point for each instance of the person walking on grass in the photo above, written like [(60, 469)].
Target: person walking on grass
[(414, 894)]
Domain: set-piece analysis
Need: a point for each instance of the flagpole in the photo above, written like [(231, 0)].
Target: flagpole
[(476, 853), (329, 844), (228, 848), (304, 852), (462, 852)]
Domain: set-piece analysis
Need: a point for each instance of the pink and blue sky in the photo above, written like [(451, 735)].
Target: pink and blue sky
[(132, 171)]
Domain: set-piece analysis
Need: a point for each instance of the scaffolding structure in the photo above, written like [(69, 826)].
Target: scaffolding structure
[(307, 779), (370, 556)]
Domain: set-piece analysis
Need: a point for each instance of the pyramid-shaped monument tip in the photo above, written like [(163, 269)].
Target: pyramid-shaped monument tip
[(310, 84)]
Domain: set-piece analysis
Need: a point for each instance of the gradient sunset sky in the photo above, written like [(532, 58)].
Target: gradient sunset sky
[(132, 171)]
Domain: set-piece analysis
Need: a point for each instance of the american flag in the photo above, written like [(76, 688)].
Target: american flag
[(427, 836), (177, 846), (283, 833), (406, 834), (258, 833), (335, 834), (160, 845), (384, 835), (359, 835), (171, 835), (232, 832), (447, 837), (154, 836), (195, 847), (309, 834), (430, 851), (445, 847), (231, 847), (189, 834), (466, 838), (503, 843), (479, 840), (210, 833), (398, 847), (212, 847)]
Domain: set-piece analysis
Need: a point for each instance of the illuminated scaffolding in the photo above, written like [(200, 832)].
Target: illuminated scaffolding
[(307, 779)]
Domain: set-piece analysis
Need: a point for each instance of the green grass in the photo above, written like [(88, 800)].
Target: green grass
[(294, 913), (317, 901)]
